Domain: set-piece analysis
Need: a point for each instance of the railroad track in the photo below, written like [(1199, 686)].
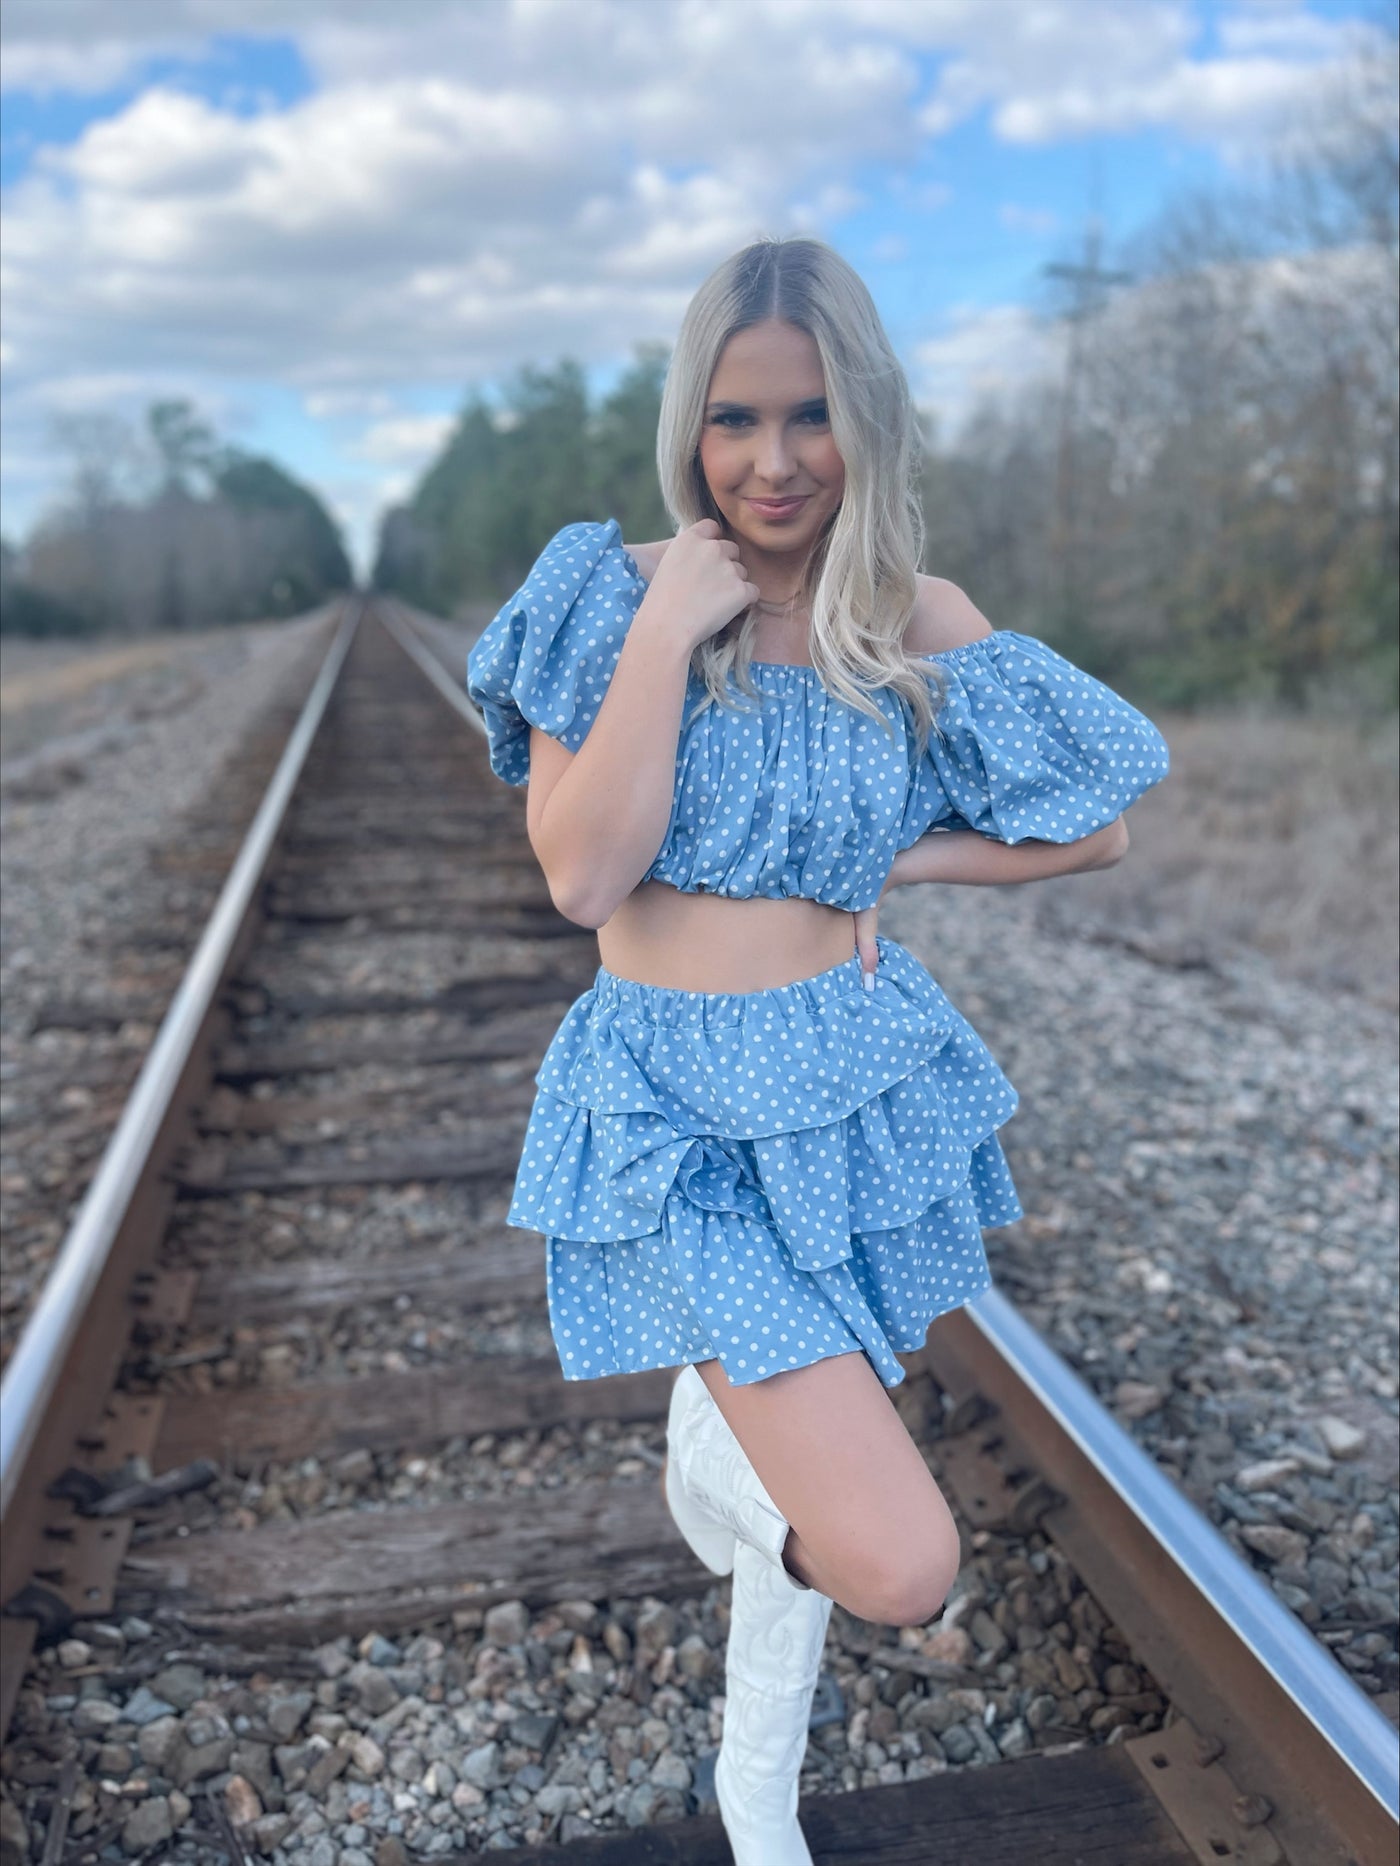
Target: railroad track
[(299, 1515)]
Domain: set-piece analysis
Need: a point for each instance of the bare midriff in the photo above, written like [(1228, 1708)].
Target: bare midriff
[(713, 942)]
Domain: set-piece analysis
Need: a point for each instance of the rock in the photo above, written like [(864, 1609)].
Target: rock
[(534, 1730), (72, 1653), (286, 1714), (147, 1825), (959, 1745), (580, 1616), (1267, 1474), (987, 1634), (1275, 1544), (366, 1755), (205, 1726), (268, 1833), (143, 1706), (330, 1660), (1135, 1399), (481, 1767), (507, 1623), (950, 1645), (671, 1771), (406, 1765), (95, 1716), (1042, 1711), (655, 1630), (558, 1798), (253, 1760), (618, 1643), (192, 1762), (1122, 1681), (694, 1657), (242, 1801), (1070, 1671), (181, 1684), (390, 1851), (1015, 1739), (1343, 1441), (375, 1692), (159, 1741)]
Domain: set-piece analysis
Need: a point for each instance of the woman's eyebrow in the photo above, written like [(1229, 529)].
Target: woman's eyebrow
[(742, 408)]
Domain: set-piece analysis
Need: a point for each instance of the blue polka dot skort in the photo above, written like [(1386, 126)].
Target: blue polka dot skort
[(766, 1178)]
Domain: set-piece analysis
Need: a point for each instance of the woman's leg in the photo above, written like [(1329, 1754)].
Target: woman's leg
[(869, 1526)]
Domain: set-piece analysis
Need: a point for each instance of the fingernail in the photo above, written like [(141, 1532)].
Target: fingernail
[(870, 981)]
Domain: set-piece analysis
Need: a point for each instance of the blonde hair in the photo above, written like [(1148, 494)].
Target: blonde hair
[(860, 577)]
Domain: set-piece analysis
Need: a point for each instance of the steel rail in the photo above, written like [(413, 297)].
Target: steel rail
[(33, 1371), (1254, 1650), (409, 635)]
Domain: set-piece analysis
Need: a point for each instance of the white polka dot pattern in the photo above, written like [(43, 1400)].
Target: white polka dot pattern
[(769, 1176), (773, 1177), (803, 795)]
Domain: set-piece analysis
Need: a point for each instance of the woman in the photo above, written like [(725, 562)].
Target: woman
[(763, 1146)]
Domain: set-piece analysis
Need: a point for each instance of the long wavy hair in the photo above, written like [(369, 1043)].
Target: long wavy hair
[(860, 576)]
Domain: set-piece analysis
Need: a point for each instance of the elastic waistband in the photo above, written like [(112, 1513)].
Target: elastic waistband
[(661, 1004)]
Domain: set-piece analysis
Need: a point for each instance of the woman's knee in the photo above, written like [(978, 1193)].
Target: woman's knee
[(907, 1586)]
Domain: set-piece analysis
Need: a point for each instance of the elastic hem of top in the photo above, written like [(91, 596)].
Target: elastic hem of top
[(672, 1005)]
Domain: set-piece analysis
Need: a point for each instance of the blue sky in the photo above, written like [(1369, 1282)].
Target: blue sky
[(325, 223)]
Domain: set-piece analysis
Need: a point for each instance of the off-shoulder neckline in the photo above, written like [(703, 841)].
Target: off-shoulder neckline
[(805, 667)]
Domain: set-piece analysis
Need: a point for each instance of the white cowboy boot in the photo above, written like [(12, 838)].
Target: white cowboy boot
[(777, 1627), (714, 1493), (712, 1540), (772, 1661)]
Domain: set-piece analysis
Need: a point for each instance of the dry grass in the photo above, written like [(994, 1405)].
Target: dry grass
[(1271, 835)]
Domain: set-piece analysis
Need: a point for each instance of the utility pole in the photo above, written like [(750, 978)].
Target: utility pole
[(1089, 282)]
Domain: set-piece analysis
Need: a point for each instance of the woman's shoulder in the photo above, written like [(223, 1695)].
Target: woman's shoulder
[(944, 618)]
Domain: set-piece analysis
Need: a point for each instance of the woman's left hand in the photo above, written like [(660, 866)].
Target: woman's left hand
[(867, 921)]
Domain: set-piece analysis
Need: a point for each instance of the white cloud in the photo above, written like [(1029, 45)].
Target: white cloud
[(1085, 67), (337, 404), (402, 439), (470, 186), (985, 352)]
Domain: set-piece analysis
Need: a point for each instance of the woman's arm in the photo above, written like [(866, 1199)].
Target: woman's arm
[(963, 855), (597, 817)]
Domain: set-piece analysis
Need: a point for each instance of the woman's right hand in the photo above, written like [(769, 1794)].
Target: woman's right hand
[(700, 583)]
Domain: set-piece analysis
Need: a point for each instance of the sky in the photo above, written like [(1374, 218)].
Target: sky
[(325, 224)]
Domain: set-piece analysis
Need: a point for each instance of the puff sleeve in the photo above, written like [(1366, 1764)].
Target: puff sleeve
[(546, 657), (1028, 747)]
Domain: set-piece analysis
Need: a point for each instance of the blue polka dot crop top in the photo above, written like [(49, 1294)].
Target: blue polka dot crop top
[(806, 796)]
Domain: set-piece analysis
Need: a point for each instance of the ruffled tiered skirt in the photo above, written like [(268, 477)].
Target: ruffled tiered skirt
[(764, 1177)]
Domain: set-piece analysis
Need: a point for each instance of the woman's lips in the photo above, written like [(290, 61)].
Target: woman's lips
[(778, 508)]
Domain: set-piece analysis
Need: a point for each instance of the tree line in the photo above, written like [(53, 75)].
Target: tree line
[(168, 527), (1200, 504)]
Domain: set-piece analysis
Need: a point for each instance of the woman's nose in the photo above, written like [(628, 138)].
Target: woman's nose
[(774, 456)]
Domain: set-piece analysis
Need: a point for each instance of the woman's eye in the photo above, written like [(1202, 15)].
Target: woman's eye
[(817, 415)]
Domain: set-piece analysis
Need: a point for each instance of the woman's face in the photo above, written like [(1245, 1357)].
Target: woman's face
[(766, 437)]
